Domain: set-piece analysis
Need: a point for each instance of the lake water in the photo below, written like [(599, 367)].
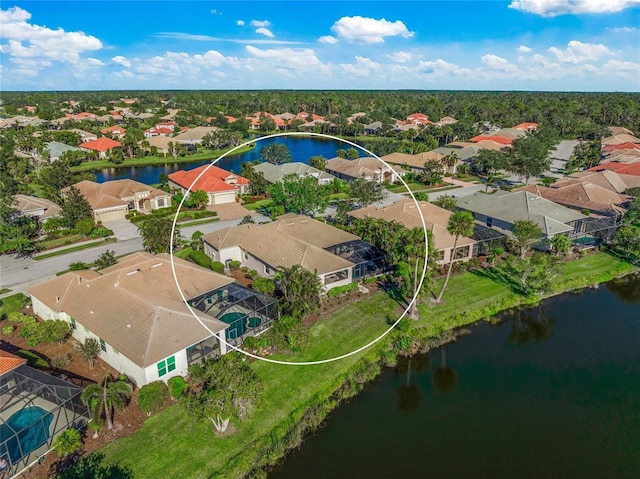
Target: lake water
[(302, 148), (552, 392)]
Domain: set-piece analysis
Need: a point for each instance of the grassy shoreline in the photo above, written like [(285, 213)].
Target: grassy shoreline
[(158, 160), (297, 399)]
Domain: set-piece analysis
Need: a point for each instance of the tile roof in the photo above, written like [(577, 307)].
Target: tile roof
[(406, 212), (101, 144), (135, 305), (632, 169), (9, 362), (511, 206), (274, 173), (580, 194), (290, 240), (195, 134), (212, 180), (611, 180), (26, 204), (367, 166), (113, 193)]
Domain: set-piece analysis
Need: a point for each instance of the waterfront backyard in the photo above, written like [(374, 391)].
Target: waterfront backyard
[(299, 396)]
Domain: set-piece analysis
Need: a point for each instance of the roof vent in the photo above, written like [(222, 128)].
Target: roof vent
[(116, 284), (133, 272), (57, 299), (156, 265), (128, 325), (90, 312)]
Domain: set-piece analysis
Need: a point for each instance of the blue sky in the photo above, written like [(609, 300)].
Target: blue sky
[(572, 45)]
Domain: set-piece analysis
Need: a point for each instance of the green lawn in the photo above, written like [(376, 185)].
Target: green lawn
[(180, 448), (12, 303), (157, 160), (412, 186), (61, 241), (257, 204), (37, 189), (71, 249)]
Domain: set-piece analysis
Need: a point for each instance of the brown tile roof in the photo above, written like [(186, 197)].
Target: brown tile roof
[(9, 361), (286, 242), (135, 305), (406, 213), (610, 180), (26, 203), (580, 194), (368, 166), (113, 193), (619, 139)]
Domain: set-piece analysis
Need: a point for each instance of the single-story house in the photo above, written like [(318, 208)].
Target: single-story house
[(102, 145), (414, 163), (55, 149), (274, 173), (84, 135), (136, 311), (161, 143), (501, 209), (195, 135), (35, 408), (370, 168), (222, 186), (115, 131), (373, 128), (436, 220), (337, 257), (618, 179), (112, 200), (39, 208)]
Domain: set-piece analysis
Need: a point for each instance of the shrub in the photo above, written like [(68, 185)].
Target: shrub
[(177, 387), (55, 331), (18, 317), (264, 285), (84, 226), (78, 266), (100, 233), (8, 330), (340, 290), (152, 396), (196, 235), (217, 267), (196, 373), (60, 361), (68, 242), (201, 258), (234, 265), (33, 359), (251, 343), (252, 274)]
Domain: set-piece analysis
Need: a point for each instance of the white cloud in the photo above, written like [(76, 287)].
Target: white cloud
[(367, 63), (524, 49), (495, 62), (120, 60), (369, 30), (328, 39), (260, 23), (438, 66), (552, 8), (297, 58), (264, 31), (577, 52), (618, 65), (27, 40), (624, 30), (240, 23), (400, 57)]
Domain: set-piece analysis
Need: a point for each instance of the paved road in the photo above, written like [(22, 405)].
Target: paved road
[(20, 273)]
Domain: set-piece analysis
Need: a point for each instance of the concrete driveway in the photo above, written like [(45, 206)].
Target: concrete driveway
[(122, 229)]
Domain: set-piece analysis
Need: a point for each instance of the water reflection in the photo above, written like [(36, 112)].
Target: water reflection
[(627, 289), (445, 378), (527, 328), (408, 394)]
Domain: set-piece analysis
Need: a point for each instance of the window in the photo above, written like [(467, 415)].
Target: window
[(73, 324), (160, 202), (462, 252), (166, 366), (267, 270), (489, 221), (246, 256), (103, 345)]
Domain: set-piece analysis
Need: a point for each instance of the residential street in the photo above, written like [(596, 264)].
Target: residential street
[(20, 273)]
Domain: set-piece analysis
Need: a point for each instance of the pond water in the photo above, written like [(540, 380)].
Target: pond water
[(551, 392), (302, 148)]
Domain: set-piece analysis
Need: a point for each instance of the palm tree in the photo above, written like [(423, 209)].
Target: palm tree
[(450, 162), (68, 442), (460, 224), (103, 398)]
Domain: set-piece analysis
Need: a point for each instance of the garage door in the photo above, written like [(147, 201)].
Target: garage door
[(110, 215), (224, 197)]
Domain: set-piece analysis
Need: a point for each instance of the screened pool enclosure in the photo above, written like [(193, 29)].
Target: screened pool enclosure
[(247, 312), (34, 408)]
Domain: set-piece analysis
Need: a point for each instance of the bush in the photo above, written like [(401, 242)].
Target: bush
[(100, 233), (68, 242), (251, 343), (78, 266), (196, 235), (8, 330), (217, 267), (18, 317), (177, 387), (252, 274), (55, 331), (340, 290), (152, 396), (201, 258), (33, 359), (264, 285), (234, 265), (84, 226), (60, 361)]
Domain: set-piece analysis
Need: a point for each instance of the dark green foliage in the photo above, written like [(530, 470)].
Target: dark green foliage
[(177, 386), (300, 289), (201, 258), (68, 442), (234, 265), (156, 234), (84, 226), (91, 466), (33, 359), (50, 331), (217, 267), (152, 396), (78, 266), (432, 173), (340, 290), (299, 194), (89, 350), (248, 219), (102, 399), (75, 207), (447, 202), (275, 153), (365, 192), (106, 259)]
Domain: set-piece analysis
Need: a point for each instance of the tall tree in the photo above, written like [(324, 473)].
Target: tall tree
[(460, 224), (529, 157), (75, 207), (526, 233), (275, 153), (365, 192), (301, 290), (299, 194), (257, 183), (432, 172), (156, 235), (104, 398), (318, 161)]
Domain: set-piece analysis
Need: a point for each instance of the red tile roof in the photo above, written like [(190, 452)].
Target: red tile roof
[(9, 361), (230, 119), (526, 126), (113, 129), (620, 168), (215, 179), (623, 146), (495, 138), (101, 144)]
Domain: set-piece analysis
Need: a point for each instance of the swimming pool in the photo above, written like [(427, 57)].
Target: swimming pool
[(24, 431)]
